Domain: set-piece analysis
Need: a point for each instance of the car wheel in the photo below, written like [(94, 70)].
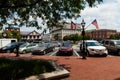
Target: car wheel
[(44, 52), (105, 55), (24, 52), (53, 49), (15, 50), (118, 52)]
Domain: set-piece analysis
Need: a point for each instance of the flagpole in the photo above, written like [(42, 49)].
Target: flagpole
[(88, 26)]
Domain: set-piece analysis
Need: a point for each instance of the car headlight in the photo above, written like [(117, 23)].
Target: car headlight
[(3, 48), (42, 50)]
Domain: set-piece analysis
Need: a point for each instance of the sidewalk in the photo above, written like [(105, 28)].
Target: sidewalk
[(94, 68)]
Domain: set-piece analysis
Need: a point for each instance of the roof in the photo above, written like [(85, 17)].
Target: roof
[(27, 32), (67, 29), (12, 27)]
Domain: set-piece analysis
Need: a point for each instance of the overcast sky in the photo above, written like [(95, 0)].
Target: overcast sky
[(107, 15)]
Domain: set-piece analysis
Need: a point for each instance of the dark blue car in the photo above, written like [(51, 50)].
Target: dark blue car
[(10, 47)]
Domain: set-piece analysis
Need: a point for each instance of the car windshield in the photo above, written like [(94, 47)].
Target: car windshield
[(41, 45), (23, 45), (66, 44), (10, 44), (93, 44)]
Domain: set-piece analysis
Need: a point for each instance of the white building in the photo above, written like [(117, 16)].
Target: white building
[(30, 36), (65, 30)]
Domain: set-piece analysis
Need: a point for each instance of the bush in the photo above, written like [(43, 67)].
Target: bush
[(18, 69)]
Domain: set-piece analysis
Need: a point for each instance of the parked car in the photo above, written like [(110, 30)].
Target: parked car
[(66, 49), (93, 47), (43, 49), (113, 46), (56, 43), (23, 46), (28, 48), (11, 47)]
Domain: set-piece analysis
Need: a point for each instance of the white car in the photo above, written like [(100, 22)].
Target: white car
[(95, 48)]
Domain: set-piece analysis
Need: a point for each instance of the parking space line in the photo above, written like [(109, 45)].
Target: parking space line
[(76, 53), (53, 53)]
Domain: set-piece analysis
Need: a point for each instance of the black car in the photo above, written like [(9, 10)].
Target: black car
[(43, 49), (10, 47)]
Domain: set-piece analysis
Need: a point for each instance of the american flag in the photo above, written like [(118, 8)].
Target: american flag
[(73, 25), (95, 23)]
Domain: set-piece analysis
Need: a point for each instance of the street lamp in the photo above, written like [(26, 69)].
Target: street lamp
[(83, 46)]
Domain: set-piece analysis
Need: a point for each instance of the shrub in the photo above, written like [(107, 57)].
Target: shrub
[(17, 69)]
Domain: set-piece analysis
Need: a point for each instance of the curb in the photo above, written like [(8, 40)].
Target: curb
[(60, 72), (48, 76)]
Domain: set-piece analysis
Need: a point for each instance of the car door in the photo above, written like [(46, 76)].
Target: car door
[(49, 47), (106, 44), (30, 47), (112, 47)]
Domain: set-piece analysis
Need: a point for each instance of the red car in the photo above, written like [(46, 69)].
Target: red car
[(66, 49)]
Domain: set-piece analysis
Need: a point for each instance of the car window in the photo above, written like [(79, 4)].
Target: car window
[(112, 43), (117, 42), (93, 44), (31, 45), (106, 42)]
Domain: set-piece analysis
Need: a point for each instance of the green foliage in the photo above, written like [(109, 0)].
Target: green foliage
[(56, 37), (72, 37), (1, 35), (18, 69), (75, 37), (51, 12), (115, 36), (65, 38), (13, 34)]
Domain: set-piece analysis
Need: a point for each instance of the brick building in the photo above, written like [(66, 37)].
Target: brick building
[(101, 33)]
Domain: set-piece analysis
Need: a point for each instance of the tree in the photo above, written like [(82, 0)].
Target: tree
[(13, 34), (52, 12), (115, 36), (75, 37), (67, 37), (56, 36)]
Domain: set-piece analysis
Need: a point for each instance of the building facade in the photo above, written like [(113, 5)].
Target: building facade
[(101, 34), (13, 28), (30, 36), (63, 32)]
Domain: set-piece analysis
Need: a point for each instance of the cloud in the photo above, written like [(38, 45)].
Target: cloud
[(107, 15)]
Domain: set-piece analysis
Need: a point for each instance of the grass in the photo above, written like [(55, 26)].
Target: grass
[(18, 69)]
